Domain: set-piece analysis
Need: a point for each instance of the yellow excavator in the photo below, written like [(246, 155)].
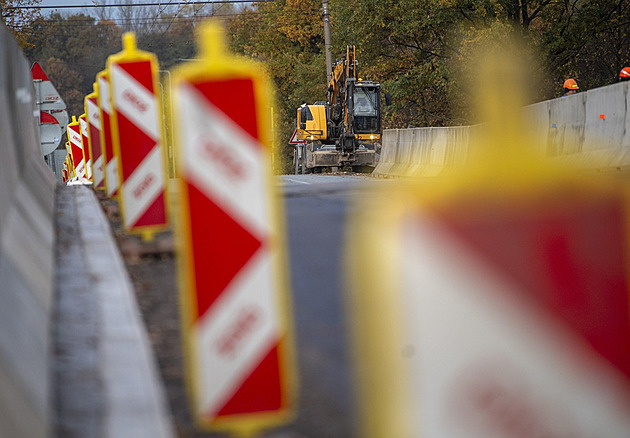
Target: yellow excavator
[(346, 129)]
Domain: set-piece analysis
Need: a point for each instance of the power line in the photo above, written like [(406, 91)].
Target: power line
[(172, 20), (139, 20), (204, 2), (158, 15), (70, 21)]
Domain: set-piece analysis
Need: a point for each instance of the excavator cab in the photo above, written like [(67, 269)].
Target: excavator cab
[(367, 109)]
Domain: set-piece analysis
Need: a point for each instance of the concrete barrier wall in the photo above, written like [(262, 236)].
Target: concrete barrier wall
[(590, 129), (422, 151), (605, 126), (26, 255), (567, 122), (537, 118)]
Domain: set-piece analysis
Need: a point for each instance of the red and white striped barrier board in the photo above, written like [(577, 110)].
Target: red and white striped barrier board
[(110, 162), (503, 316), (94, 130), (236, 315), (137, 138), (83, 125), (76, 147)]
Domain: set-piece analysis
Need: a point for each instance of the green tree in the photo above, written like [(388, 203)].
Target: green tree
[(406, 46), (65, 80), (81, 45), (287, 36), (18, 18), (418, 51), (172, 44), (587, 40)]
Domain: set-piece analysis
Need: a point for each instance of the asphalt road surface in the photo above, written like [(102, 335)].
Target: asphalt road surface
[(316, 208)]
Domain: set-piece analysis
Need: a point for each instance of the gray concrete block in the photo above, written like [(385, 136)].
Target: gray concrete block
[(24, 346), (19, 418), (27, 240)]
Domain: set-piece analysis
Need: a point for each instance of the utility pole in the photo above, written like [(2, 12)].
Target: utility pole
[(327, 40)]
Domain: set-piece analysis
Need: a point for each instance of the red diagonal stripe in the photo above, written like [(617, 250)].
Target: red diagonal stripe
[(135, 145), (140, 71), (95, 141), (220, 245), (235, 98), (86, 144), (569, 255), (107, 133), (155, 214), (261, 391)]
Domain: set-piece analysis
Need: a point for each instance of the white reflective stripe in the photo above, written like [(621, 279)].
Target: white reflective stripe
[(143, 186), (84, 132), (235, 334), (80, 168), (84, 127), (224, 162), (93, 114), (112, 176), (98, 171), (88, 169), (134, 101), (75, 139), (483, 357), (103, 95)]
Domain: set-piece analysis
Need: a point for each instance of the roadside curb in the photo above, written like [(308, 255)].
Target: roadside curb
[(132, 401)]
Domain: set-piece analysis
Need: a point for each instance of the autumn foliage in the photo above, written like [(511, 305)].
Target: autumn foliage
[(418, 50)]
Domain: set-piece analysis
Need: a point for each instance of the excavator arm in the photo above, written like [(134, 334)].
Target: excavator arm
[(344, 69)]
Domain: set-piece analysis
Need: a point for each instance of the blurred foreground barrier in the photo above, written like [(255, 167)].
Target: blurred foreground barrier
[(26, 255), (499, 305), (505, 312), (590, 130)]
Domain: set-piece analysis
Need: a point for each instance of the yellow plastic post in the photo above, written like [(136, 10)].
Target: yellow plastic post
[(216, 64)]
